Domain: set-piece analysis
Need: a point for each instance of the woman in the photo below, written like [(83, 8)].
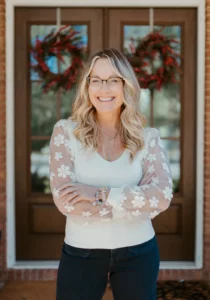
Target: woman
[(109, 177)]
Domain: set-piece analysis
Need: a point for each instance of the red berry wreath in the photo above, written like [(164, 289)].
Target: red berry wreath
[(155, 61), (63, 42)]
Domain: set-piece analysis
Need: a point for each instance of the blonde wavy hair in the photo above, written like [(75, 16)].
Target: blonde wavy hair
[(84, 113)]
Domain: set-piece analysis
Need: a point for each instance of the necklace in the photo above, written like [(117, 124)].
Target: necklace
[(109, 152)]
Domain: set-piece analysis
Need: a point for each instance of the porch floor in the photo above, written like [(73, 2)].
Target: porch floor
[(45, 290), (34, 290)]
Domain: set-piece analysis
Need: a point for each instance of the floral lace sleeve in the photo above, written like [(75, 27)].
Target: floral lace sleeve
[(61, 163), (154, 192)]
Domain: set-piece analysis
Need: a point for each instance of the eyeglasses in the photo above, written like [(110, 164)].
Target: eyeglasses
[(113, 83)]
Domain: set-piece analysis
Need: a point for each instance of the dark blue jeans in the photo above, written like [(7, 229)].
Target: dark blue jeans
[(83, 273)]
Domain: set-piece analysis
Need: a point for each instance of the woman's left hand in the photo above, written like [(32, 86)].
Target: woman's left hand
[(74, 192)]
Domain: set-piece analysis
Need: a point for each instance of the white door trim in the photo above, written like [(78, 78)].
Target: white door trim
[(10, 114)]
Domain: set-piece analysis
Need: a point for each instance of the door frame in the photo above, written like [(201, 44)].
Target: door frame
[(10, 137)]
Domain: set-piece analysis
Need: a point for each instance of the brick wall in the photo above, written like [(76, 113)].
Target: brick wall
[(49, 274), (207, 150), (2, 140)]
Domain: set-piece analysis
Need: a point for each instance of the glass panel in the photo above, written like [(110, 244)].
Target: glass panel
[(40, 167), (67, 100), (133, 32), (45, 107), (39, 32), (82, 31), (43, 110), (165, 104), (173, 152), (145, 105), (167, 111), (172, 31)]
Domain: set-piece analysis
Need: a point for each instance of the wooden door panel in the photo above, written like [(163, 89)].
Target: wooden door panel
[(175, 227), (39, 225)]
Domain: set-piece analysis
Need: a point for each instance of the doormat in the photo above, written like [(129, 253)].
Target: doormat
[(192, 290)]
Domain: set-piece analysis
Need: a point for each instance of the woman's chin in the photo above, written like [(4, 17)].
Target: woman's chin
[(106, 109)]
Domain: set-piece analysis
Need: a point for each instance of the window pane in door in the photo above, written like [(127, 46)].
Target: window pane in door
[(40, 32), (67, 100), (167, 111), (48, 107), (173, 152), (82, 35), (132, 33), (40, 166), (145, 105), (43, 110), (67, 97), (161, 108)]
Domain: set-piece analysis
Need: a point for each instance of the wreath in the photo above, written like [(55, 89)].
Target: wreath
[(155, 61), (61, 44)]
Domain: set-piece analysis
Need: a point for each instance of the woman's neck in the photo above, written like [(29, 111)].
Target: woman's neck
[(108, 122)]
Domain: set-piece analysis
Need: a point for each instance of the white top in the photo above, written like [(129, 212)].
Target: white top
[(139, 191)]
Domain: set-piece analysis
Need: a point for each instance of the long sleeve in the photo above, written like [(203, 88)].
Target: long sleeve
[(153, 194), (61, 161)]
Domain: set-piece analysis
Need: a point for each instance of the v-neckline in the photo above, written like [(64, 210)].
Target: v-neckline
[(113, 161)]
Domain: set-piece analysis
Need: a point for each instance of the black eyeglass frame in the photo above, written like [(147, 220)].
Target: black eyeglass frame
[(88, 79)]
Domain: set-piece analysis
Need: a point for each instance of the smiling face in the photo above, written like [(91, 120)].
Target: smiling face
[(107, 98)]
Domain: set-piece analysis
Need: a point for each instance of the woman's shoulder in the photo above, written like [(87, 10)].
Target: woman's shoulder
[(67, 124), (149, 133), (66, 127)]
